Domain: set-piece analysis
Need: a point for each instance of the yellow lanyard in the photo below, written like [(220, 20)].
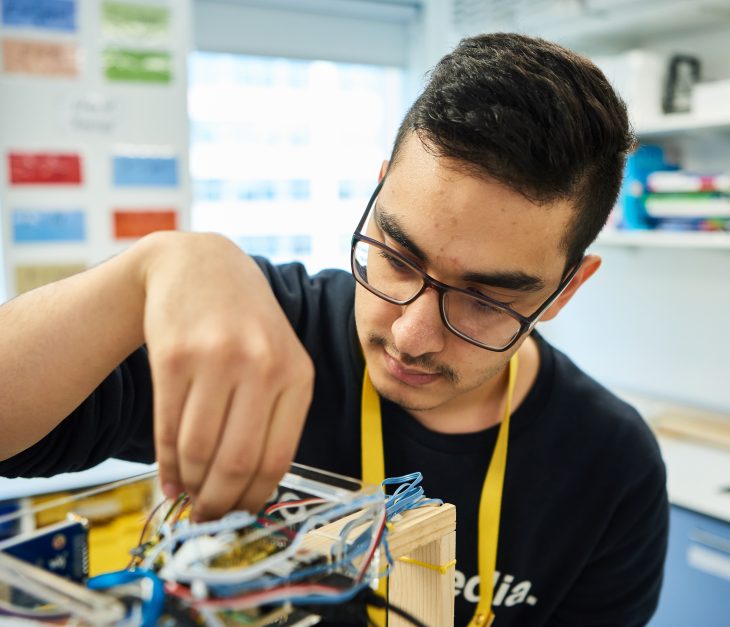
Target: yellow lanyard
[(490, 504)]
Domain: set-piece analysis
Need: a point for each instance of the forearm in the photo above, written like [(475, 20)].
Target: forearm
[(57, 343)]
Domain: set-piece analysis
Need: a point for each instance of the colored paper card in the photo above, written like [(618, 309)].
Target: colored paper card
[(44, 168), (23, 56), (136, 223), (129, 171), (50, 14), (28, 277), (48, 226), (137, 65), (135, 22)]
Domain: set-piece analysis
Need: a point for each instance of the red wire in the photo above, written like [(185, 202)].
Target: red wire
[(144, 531), (251, 599), (262, 596), (183, 506), (373, 549)]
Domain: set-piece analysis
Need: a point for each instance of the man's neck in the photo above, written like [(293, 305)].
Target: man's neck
[(488, 410)]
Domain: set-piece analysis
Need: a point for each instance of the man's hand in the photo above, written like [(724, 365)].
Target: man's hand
[(232, 382)]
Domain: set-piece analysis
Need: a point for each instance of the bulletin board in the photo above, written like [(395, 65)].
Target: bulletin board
[(93, 132)]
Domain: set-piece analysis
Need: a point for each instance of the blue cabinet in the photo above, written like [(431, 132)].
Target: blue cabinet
[(696, 589)]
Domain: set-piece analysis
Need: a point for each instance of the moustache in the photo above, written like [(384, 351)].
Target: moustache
[(423, 362)]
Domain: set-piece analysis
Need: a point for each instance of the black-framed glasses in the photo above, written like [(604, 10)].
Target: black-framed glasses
[(476, 318)]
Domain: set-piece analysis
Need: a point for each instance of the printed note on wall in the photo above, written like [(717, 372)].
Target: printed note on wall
[(44, 168), (50, 14), (139, 222), (48, 226), (135, 22), (93, 113), (137, 65), (28, 277), (144, 171), (24, 56)]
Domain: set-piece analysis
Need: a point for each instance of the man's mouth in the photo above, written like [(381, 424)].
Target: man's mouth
[(407, 375)]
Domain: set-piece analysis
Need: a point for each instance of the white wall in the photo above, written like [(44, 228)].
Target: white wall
[(361, 34), (654, 321)]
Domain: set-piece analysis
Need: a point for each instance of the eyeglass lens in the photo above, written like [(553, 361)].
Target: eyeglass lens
[(396, 281)]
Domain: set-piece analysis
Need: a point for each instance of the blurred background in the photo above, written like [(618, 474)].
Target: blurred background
[(268, 121)]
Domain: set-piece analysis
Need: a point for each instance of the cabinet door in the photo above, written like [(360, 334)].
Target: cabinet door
[(696, 587)]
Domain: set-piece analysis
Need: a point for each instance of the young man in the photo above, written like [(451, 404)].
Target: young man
[(502, 174)]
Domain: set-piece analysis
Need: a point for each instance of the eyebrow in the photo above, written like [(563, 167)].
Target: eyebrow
[(389, 224), (512, 280), (517, 280)]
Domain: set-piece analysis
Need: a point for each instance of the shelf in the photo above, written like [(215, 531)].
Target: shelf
[(664, 239), (674, 123), (586, 25)]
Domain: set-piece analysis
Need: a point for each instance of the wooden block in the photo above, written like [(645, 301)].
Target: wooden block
[(425, 593), (427, 535)]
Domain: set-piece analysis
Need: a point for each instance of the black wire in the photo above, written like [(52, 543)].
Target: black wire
[(405, 615), (376, 600)]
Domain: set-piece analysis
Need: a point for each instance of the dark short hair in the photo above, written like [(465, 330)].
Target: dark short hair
[(532, 115)]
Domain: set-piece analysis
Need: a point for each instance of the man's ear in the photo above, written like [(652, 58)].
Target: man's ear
[(590, 264), (383, 169)]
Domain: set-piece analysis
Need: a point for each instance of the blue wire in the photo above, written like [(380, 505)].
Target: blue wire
[(152, 608), (269, 581), (408, 495)]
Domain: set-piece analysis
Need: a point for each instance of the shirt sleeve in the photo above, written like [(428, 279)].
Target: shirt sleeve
[(621, 581), (319, 307), (114, 421)]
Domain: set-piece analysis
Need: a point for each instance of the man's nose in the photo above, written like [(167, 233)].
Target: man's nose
[(419, 329)]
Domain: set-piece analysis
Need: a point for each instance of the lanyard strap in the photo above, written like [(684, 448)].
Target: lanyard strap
[(490, 504), (373, 466)]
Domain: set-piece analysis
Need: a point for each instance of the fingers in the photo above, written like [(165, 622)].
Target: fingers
[(240, 448), (203, 420), (171, 389), (257, 444), (281, 444)]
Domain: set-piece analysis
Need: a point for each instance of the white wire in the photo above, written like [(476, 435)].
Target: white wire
[(248, 572), (229, 522)]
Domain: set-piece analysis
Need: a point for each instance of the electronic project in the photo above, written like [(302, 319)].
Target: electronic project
[(313, 553)]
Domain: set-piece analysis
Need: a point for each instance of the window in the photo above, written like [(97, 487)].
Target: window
[(285, 153)]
